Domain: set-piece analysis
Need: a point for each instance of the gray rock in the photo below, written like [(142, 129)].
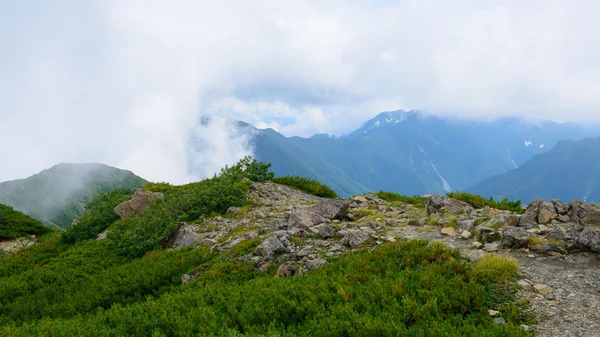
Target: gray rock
[(102, 236), (433, 203), (324, 230), (514, 237), (590, 239), (304, 218), (455, 206), (546, 212), (139, 201), (466, 225), (185, 236), (510, 220), (355, 237), (332, 208), (530, 217), (549, 247), (316, 263), (559, 207), (584, 213), (275, 244), (186, 278), (500, 320), (475, 255), (233, 210), (491, 246), (418, 222)]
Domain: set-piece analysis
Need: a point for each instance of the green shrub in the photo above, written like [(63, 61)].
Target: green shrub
[(478, 201), (392, 196), (492, 267), (401, 289), (14, 224), (98, 215), (306, 185), (248, 168)]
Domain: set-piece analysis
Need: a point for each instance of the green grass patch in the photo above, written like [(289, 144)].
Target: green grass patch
[(306, 185), (406, 288), (392, 196), (478, 201)]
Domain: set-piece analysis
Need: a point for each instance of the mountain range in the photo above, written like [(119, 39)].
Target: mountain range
[(413, 153), (569, 171), (56, 196)]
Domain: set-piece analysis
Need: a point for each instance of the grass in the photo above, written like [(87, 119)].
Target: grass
[(393, 196), (306, 185), (497, 268), (478, 201)]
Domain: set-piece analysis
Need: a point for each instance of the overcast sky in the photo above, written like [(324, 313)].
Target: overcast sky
[(124, 82)]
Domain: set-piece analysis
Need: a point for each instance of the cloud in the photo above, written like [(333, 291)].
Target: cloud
[(126, 82)]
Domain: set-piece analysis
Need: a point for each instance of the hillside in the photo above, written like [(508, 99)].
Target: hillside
[(412, 153), (14, 224), (56, 196), (237, 255), (569, 171)]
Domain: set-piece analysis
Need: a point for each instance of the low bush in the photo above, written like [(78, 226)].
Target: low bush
[(496, 268), (393, 196), (14, 224), (306, 185), (478, 201)]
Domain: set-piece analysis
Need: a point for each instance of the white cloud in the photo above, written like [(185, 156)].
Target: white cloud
[(125, 82)]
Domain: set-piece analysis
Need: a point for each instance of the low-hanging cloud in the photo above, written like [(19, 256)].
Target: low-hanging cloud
[(126, 82)]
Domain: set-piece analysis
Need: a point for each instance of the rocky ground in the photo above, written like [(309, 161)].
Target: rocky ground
[(555, 244)]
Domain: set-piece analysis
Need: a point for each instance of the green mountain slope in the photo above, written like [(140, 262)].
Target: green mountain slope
[(56, 196), (411, 153), (570, 171), (14, 224)]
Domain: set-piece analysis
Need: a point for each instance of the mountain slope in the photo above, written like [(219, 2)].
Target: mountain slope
[(56, 196), (570, 171), (412, 153), (14, 224)]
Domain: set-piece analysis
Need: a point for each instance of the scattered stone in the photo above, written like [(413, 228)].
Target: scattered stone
[(448, 231), (546, 212), (304, 218), (491, 246), (514, 237), (477, 245), (326, 231), (417, 222), (273, 245), (549, 296), (524, 285), (466, 225), (355, 237), (185, 279), (332, 208), (493, 312), (466, 235), (475, 255), (102, 236), (184, 237), (316, 263), (500, 320), (541, 289)]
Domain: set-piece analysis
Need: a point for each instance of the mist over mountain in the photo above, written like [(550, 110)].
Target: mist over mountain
[(569, 171), (56, 196), (413, 153)]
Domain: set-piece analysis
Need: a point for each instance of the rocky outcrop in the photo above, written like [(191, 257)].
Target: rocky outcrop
[(332, 209), (185, 236), (435, 203), (139, 200)]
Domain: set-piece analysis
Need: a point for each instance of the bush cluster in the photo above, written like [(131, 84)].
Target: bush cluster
[(306, 185), (14, 224), (478, 201), (403, 289), (392, 196)]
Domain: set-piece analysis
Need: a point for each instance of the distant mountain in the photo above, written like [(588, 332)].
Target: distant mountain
[(569, 171), (56, 196), (413, 153)]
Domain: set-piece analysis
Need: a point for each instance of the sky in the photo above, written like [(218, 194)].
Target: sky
[(125, 82)]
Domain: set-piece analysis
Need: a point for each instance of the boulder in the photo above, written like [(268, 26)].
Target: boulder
[(510, 220), (466, 225), (584, 213), (324, 230), (546, 212), (316, 263), (233, 210), (548, 247), (275, 244), (433, 203), (514, 237), (332, 208), (530, 216), (139, 200), (355, 237), (448, 231), (184, 237), (590, 239), (455, 206), (559, 207), (304, 218)]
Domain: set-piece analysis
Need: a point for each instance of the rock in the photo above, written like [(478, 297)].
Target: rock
[(286, 270), (465, 235), (209, 242), (584, 213), (448, 231), (510, 220), (443, 221), (304, 218), (559, 207), (590, 238), (300, 232), (500, 320), (475, 255), (550, 296), (360, 199), (332, 208), (102, 236), (546, 212), (524, 285), (466, 225), (316, 263), (491, 246), (455, 206), (276, 244), (306, 251), (233, 210), (563, 218), (186, 278), (324, 230), (139, 200), (418, 222), (477, 245), (184, 237), (433, 203), (541, 289), (514, 237), (529, 217), (355, 237), (549, 247), (493, 312)]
